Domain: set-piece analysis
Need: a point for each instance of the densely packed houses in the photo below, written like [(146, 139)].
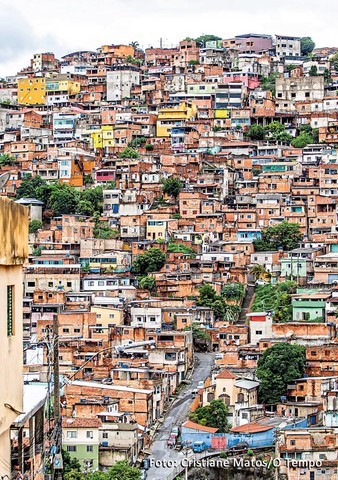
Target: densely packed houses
[(160, 187)]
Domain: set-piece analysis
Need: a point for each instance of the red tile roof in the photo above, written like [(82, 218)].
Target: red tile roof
[(226, 374), (196, 426), (76, 422), (251, 428)]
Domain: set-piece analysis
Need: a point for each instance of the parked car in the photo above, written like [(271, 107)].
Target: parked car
[(218, 356), (175, 431), (199, 446), (241, 447), (107, 381), (144, 475), (200, 384), (171, 442), (194, 392)]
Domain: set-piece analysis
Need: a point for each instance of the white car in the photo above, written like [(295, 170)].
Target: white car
[(218, 356), (200, 384)]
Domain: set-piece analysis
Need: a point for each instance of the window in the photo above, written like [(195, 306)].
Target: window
[(292, 442), (65, 330), (77, 330), (89, 434), (10, 310), (105, 435), (72, 434), (89, 448)]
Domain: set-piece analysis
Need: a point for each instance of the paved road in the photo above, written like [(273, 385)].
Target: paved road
[(176, 416)]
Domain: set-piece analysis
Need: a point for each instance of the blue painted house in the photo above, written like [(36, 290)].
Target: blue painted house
[(193, 432)]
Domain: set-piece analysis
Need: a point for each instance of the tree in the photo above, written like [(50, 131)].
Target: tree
[(302, 140), (313, 72), (88, 179), (233, 291), (129, 152), (28, 187), (147, 282), (214, 415), (172, 186), (284, 235), (104, 230), (279, 365), (74, 475), (63, 199), (260, 273), (201, 338), (7, 160), (34, 226), (256, 132), (334, 61), (123, 471), (306, 45), (150, 261), (149, 147), (174, 247), (203, 39), (134, 44), (269, 83), (70, 464), (84, 207)]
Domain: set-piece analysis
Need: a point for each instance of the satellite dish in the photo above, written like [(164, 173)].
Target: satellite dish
[(4, 177)]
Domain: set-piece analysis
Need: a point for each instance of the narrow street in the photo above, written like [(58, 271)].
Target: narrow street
[(176, 416)]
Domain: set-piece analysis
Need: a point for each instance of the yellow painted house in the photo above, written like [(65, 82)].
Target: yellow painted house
[(63, 85), (104, 137), (177, 116), (32, 91)]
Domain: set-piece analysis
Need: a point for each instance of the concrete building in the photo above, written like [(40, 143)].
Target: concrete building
[(120, 82), (287, 46), (13, 254)]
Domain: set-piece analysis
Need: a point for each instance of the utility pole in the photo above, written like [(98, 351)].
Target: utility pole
[(56, 369), (58, 464)]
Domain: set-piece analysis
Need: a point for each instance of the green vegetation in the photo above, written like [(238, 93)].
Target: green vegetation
[(61, 198), (313, 72), (279, 365), (256, 132), (133, 60), (147, 282), (34, 226), (176, 216), (7, 160), (334, 61), (260, 273), (121, 471), (37, 251), (181, 248), (200, 336), (137, 142), (104, 231), (150, 261), (172, 186), (269, 83), (233, 291), (129, 152), (149, 147), (203, 39), (306, 45), (284, 235), (276, 298), (214, 415), (221, 308)]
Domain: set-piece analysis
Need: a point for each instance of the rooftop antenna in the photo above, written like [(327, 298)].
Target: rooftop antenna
[(4, 177)]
